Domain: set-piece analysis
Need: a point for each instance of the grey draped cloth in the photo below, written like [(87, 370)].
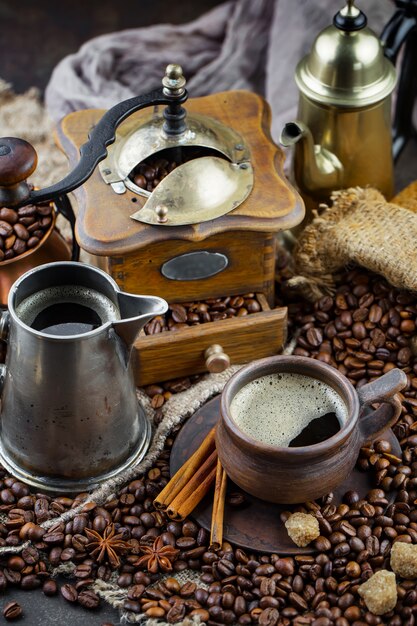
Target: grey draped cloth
[(241, 44)]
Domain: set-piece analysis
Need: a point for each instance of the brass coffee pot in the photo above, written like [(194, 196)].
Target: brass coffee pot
[(342, 136)]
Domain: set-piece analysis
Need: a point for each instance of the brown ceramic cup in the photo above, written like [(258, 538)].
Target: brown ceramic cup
[(293, 475)]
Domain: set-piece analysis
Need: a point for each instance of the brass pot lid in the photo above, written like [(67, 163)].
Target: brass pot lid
[(346, 66), (196, 191)]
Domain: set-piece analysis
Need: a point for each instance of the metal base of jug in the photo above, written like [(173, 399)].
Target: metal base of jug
[(69, 486)]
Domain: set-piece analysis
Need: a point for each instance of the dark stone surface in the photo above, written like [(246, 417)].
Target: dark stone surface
[(40, 610)]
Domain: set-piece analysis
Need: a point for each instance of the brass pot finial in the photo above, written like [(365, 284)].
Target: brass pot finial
[(350, 18)]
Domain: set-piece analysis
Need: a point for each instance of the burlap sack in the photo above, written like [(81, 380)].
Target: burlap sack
[(360, 228)]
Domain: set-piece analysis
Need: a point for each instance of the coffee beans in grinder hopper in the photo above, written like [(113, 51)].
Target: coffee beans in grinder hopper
[(22, 229), (149, 173)]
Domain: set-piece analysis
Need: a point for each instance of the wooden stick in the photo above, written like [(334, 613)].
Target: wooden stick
[(216, 535), (194, 490), (185, 473)]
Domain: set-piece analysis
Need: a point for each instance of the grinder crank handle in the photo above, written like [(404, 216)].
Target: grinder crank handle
[(102, 135), (18, 158)]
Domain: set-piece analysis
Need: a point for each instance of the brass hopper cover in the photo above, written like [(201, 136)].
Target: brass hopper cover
[(197, 190)]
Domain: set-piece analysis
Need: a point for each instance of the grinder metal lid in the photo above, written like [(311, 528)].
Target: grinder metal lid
[(197, 190)]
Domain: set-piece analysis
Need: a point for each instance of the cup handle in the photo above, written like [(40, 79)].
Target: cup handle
[(381, 390)]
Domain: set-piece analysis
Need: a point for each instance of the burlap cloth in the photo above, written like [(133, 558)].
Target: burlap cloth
[(361, 228)]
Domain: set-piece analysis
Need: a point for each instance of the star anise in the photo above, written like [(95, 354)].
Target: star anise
[(106, 546), (157, 557)]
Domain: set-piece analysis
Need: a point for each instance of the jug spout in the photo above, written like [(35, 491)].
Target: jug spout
[(135, 312), (315, 168)]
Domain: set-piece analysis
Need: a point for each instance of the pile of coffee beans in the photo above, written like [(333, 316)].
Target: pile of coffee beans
[(22, 229), (210, 310), (149, 173), (364, 330)]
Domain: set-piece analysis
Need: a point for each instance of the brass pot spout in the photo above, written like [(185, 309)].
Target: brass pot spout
[(318, 168)]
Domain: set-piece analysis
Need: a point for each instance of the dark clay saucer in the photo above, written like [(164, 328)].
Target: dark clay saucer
[(257, 525)]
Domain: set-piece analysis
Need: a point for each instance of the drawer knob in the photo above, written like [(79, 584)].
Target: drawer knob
[(216, 359)]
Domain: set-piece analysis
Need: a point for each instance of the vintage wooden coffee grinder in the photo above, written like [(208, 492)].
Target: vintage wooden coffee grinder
[(185, 204)]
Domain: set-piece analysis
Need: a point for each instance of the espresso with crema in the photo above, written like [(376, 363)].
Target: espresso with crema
[(288, 410)]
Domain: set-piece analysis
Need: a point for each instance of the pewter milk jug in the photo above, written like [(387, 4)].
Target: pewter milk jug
[(70, 417)]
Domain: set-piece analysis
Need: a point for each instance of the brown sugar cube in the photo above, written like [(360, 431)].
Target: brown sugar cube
[(404, 559), (379, 592), (302, 528)]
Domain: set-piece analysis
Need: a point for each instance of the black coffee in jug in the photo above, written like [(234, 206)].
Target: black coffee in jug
[(67, 310)]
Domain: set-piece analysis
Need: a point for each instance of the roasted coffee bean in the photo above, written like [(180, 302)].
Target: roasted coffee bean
[(31, 581), (176, 612), (236, 499), (88, 599), (21, 231), (8, 215), (12, 610), (322, 544), (69, 592), (50, 588), (6, 229), (179, 313), (314, 337), (268, 617), (140, 181), (285, 566), (16, 563)]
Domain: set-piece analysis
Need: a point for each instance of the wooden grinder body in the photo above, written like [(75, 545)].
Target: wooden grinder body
[(133, 253)]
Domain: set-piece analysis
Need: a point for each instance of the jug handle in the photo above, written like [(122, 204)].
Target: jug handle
[(4, 332), (384, 389), (4, 325)]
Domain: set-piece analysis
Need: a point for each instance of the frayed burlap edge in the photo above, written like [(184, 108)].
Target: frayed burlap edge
[(360, 228)]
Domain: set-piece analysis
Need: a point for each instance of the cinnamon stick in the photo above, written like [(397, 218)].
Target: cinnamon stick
[(195, 497), (216, 535), (195, 489), (185, 473)]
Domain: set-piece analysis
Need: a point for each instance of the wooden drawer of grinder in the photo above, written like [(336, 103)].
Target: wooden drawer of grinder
[(170, 354)]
